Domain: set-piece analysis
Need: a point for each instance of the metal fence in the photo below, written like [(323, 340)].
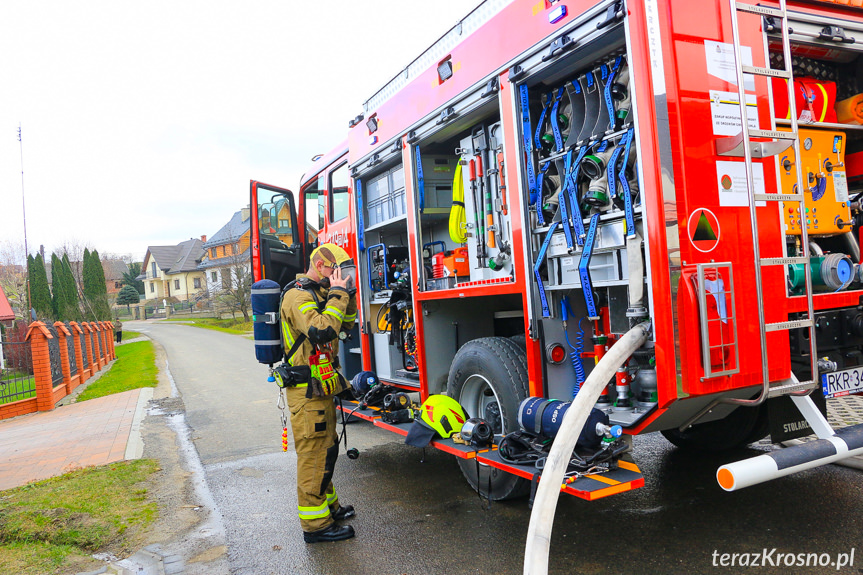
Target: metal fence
[(16, 368), (85, 359), (70, 343)]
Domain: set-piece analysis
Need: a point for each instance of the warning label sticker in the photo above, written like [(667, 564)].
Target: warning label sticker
[(731, 183), (725, 112), (704, 230), (840, 186)]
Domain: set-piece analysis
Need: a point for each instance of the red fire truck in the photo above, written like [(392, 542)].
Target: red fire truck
[(550, 174)]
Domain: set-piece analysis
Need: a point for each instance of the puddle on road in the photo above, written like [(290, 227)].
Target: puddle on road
[(173, 411)]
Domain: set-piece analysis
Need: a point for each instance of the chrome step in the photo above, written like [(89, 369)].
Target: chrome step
[(778, 197), (763, 10), (792, 388), (759, 71), (793, 324), (774, 134), (732, 146), (783, 261)]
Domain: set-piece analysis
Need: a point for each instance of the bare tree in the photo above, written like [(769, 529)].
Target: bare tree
[(236, 291), (126, 258), (13, 276), (74, 249)]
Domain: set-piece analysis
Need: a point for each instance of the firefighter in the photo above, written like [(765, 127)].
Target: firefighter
[(321, 306)]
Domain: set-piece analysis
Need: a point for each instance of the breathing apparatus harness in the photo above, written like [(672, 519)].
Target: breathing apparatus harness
[(323, 368), (525, 448)]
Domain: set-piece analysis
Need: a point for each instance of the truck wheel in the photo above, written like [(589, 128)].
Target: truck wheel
[(520, 340), (742, 426), (488, 378)]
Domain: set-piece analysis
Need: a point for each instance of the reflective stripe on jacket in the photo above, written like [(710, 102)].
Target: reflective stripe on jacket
[(299, 312)]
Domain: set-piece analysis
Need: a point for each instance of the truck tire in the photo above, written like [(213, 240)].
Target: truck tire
[(741, 427), (520, 340), (488, 378)]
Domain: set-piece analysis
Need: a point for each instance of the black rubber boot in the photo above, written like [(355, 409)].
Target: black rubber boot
[(343, 512), (331, 533)]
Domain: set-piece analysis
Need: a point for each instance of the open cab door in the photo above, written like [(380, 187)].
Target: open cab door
[(278, 245)]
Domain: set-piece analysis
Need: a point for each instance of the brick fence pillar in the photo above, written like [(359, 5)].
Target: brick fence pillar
[(62, 334), (97, 347), (79, 362), (38, 336), (111, 338), (88, 343), (100, 335)]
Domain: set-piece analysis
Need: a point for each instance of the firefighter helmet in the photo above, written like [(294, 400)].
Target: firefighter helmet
[(443, 414)]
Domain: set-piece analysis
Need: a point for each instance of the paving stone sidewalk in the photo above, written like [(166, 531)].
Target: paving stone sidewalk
[(45, 444)]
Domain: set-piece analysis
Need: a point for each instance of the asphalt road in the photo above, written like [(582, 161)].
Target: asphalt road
[(420, 517)]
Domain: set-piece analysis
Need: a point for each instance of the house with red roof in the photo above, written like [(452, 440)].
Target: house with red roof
[(6, 315)]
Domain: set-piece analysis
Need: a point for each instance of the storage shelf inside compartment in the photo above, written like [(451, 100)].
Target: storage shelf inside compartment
[(834, 71)]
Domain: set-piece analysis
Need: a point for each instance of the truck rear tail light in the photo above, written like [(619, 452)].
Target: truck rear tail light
[(555, 353)]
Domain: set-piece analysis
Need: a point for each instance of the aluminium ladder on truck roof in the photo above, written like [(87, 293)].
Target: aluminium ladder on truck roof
[(779, 142), (484, 12)]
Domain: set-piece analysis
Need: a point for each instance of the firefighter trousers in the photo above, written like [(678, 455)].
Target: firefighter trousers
[(313, 422)]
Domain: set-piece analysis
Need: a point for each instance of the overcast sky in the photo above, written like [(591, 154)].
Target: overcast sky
[(143, 122)]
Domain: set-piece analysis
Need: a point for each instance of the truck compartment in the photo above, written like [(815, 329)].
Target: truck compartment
[(829, 93), (586, 220), (450, 323), (464, 222)]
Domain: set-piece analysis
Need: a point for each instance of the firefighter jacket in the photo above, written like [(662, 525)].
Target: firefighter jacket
[(320, 321)]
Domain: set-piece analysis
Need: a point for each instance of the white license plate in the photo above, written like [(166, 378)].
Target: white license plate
[(845, 382)]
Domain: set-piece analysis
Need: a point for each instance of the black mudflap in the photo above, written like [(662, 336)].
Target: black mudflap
[(786, 421)]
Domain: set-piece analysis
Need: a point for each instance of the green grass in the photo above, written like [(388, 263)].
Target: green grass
[(130, 334), (235, 326), (15, 383), (135, 367), (52, 526)]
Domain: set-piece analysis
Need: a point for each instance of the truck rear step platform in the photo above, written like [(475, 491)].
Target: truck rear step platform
[(625, 478)]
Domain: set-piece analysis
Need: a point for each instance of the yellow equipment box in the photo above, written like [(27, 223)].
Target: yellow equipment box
[(828, 210)]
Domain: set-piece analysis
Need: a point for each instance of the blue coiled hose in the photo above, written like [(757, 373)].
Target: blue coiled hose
[(577, 349)]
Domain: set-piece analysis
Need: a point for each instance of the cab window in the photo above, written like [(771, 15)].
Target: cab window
[(274, 216), (314, 202), (339, 180)]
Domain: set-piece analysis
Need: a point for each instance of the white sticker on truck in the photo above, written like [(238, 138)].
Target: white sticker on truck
[(725, 112), (720, 62), (840, 186), (731, 183)]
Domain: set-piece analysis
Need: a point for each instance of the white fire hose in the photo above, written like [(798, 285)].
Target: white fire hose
[(548, 491)]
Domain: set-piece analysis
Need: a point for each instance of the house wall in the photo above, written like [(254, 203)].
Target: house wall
[(154, 287), (214, 286), (243, 243), (182, 285), (113, 286)]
